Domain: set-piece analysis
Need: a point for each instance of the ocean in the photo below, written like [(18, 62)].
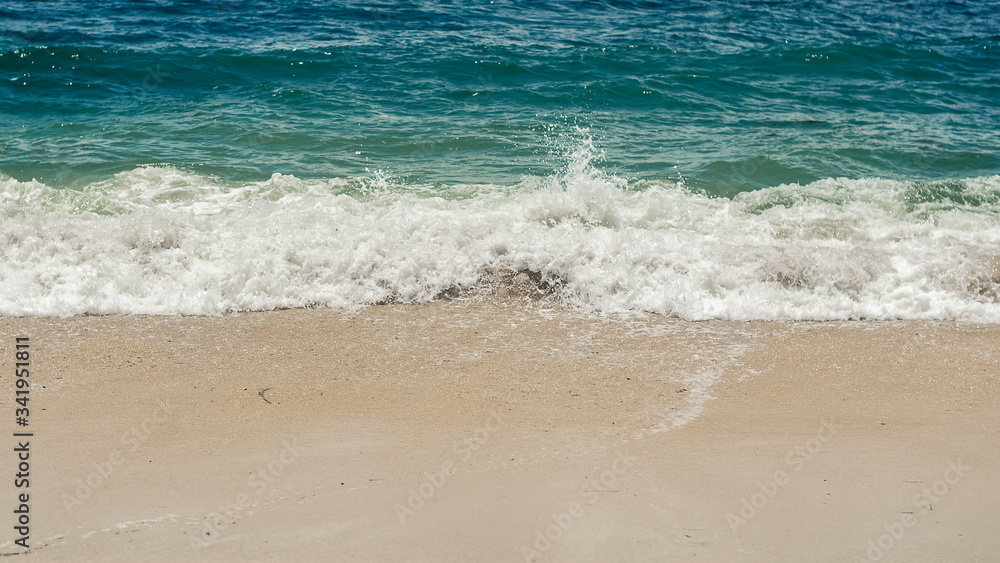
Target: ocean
[(705, 160)]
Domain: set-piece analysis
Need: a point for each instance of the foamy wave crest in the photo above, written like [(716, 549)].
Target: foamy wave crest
[(163, 241)]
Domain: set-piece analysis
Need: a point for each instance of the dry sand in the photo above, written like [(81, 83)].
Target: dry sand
[(488, 432)]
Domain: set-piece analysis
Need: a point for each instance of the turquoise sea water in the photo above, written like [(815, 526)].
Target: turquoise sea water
[(746, 160)]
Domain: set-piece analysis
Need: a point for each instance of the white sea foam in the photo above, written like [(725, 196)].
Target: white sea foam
[(160, 240)]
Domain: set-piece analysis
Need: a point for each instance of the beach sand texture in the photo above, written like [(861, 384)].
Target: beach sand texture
[(489, 431)]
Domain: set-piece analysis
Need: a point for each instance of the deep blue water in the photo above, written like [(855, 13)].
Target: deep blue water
[(729, 96)]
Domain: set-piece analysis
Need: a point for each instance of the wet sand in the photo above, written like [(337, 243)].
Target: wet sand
[(462, 431)]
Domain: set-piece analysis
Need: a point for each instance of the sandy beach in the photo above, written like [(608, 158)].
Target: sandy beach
[(484, 431)]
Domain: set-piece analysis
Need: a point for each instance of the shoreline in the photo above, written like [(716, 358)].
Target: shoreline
[(481, 431)]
